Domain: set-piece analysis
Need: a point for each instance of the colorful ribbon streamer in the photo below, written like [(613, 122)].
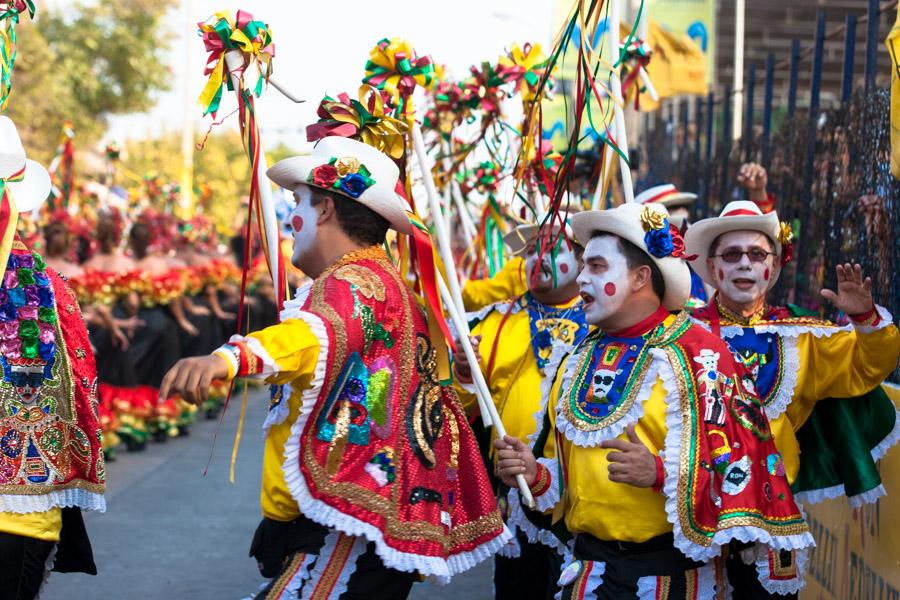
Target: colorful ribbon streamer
[(366, 120), (226, 31), (10, 11)]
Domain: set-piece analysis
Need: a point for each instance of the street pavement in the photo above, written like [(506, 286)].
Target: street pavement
[(171, 532)]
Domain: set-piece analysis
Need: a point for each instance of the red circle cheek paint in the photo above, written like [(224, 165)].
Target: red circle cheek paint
[(766, 275), (297, 223), (610, 289), (721, 275), (564, 268)]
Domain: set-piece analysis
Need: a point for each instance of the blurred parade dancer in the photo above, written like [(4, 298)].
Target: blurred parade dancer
[(51, 458)]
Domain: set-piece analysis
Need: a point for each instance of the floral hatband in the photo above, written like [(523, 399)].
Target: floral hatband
[(661, 238), (786, 239), (345, 174)]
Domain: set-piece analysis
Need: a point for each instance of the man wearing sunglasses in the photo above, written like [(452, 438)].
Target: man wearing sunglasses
[(814, 377)]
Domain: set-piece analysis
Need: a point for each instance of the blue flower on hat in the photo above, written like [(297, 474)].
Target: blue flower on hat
[(659, 241), (354, 185)]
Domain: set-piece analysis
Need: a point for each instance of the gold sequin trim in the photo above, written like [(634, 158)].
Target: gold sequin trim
[(368, 284)]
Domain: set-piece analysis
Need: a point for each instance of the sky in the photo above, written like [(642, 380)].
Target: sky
[(322, 46)]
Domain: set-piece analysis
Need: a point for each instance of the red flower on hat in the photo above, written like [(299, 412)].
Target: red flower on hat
[(324, 175), (677, 242)]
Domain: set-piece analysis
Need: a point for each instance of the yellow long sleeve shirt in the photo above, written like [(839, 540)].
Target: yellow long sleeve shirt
[(289, 352), (507, 283), (516, 382)]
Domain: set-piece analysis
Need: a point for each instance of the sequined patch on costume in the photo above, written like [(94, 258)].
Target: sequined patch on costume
[(551, 325), (424, 413), (763, 355), (603, 388), (39, 439), (345, 416), (378, 396)]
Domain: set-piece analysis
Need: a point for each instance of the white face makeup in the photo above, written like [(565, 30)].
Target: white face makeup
[(303, 222), (603, 282), (745, 281), (553, 270)]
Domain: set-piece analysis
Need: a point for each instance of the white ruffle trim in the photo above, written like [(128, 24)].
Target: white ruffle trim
[(48, 568), (292, 307), (280, 412), (551, 497), (321, 563), (269, 365), (535, 535), (322, 513), (786, 587), (886, 321), (706, 585), (790, 372), (787, 331), (808, 497), (587, 439), (33, 503), (889, 440), (867, 497), (671, 457), (511, 549)]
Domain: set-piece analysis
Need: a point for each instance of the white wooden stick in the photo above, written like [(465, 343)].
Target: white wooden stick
[(234, 60), (465, 216), (615, 84), (481, 387)]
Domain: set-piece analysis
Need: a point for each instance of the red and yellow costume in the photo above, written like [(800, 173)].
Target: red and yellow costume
[(361, 436)]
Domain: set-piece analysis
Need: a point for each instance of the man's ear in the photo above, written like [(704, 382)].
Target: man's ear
[(325, 210), (641, 277), (711, 268)]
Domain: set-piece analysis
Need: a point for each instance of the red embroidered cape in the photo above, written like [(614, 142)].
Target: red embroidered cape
[(381, 449), (51, 446)]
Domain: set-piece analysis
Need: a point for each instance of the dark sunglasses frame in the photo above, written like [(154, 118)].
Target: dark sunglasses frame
[(733, 255)]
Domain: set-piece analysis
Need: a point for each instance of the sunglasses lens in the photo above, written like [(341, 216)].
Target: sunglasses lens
[(732, 255), (757, 255)]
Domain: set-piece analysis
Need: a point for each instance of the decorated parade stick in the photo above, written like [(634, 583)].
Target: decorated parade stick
[(394, 66), (465, 217), (612, 28), (238, 44)]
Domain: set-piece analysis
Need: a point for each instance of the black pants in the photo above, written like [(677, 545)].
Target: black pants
[(530, 576), (23, 561), (745, 581), (277, 547), (626, 563)]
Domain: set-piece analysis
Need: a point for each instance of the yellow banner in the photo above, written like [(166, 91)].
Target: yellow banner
[(857, 556)]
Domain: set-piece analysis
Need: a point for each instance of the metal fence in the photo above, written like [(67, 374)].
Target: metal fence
[(829, 167)]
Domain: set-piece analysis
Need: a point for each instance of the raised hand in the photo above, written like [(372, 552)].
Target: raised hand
[(514, 458), (854, 294), (632, 462)]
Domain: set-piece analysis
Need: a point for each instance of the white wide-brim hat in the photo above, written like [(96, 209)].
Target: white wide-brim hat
[(625, 221), (519, 239), (739, 215), (667, 195), (34, 188), (379, 194)]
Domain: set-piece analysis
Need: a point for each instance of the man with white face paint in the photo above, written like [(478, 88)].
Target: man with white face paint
[(363, 444), (521, 341), (650, 490), (798, 360)]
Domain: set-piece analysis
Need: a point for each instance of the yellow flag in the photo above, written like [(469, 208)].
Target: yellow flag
[(893, 45)]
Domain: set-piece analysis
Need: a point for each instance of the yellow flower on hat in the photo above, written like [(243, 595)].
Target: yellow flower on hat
[(786, 234), (346, 165), (652, 219)]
